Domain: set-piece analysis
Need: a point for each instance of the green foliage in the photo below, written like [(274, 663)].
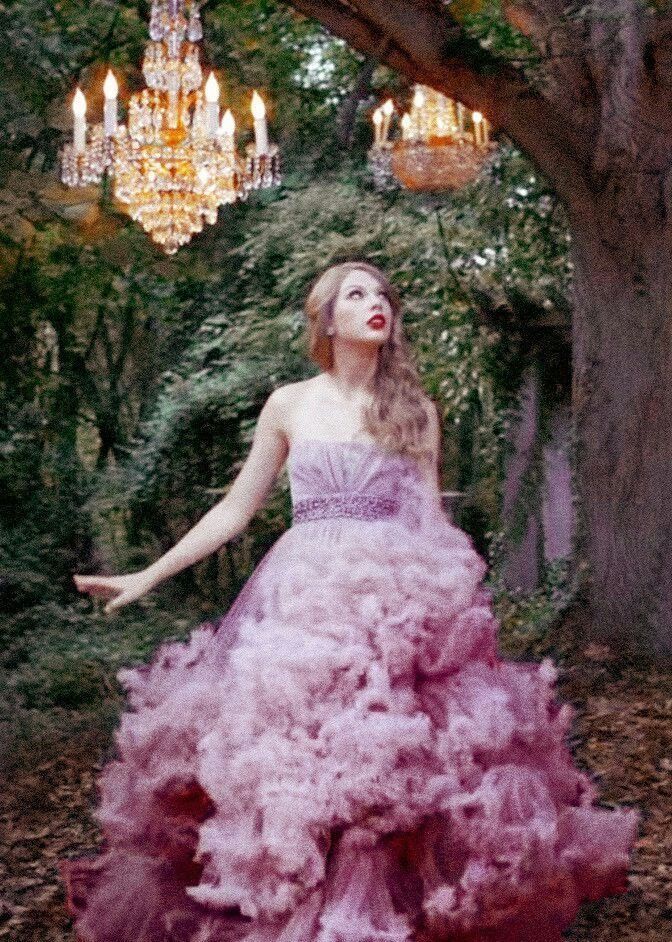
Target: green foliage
[(484, 21), (83, 334), (58, 666)]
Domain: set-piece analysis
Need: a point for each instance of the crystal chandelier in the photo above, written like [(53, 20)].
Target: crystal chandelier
[(173, 164), (442, 147)]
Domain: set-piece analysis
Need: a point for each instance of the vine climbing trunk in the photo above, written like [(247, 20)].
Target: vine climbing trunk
[(622, 405)]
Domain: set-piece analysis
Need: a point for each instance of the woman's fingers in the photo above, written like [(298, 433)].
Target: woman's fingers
[(117, 590), (123, 598), (116, 603), (96, 585)]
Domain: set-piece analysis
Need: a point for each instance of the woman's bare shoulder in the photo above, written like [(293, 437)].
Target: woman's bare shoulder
[(291, 394), (289, 390), (288, 399)]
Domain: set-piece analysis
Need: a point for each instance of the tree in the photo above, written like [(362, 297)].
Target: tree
[(582, 88)]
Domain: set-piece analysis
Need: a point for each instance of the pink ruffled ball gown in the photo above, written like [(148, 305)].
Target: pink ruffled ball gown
[(344, 757)]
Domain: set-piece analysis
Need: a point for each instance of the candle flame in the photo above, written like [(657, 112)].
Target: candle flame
[(110, 85), (418, 98), (228, 125), (377, 116), (258, 106), (212, 89), (477, 117), (406, 121), (79, 103), (388, 107)]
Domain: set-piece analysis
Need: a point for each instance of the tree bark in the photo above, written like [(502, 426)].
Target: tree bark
[(622, 413)]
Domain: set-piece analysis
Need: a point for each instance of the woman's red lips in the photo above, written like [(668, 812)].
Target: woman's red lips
[(376, 321)]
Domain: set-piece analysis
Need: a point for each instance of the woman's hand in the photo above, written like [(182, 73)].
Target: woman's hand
[(120, 590)]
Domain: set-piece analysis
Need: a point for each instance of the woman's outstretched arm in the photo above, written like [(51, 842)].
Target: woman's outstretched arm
[(220, 524)]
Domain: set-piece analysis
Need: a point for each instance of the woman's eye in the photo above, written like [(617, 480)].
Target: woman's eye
[(355, 291)]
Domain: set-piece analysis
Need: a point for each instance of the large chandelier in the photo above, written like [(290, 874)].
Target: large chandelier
[(173, 164), (443, 145)]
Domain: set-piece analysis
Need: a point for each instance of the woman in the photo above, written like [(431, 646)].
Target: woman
[(344, 757)]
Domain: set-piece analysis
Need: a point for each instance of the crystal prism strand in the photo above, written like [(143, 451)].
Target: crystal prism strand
[(148, 69), (195, 31), (149, 64), (198, 125), (157, 119), (192, 76), (145, 117), (173, 44), (173, 77), (185, 115), (157, 21), (173, 109), (133, 116), (178, 28)]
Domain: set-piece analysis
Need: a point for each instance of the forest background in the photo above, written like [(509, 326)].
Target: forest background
[(130, 385)]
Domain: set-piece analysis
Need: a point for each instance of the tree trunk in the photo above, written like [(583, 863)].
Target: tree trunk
[(348, 112), (522, 561), (622, 405)]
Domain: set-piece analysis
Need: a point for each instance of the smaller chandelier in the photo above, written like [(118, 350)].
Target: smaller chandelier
[(173, 164), (443, 146)]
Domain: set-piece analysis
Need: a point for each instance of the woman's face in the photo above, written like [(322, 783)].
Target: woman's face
[(362, 309)]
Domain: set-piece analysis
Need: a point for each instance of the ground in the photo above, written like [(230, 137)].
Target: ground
[(622, 734)]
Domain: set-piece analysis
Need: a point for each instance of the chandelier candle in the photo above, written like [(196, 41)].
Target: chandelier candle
[(260, 129), (377, 119), (111, 91), (212, 99), (419, 114), (79, 129), (388, 108), (227, 131), (477, 118)]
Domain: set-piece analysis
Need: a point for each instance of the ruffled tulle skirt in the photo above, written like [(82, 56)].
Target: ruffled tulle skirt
[(344, 757)]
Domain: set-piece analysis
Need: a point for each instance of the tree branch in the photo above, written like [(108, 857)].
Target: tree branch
[(417, 31), (348, 111), (456, 65)]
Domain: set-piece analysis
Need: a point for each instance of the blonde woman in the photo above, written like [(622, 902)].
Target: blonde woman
[(344, 756)]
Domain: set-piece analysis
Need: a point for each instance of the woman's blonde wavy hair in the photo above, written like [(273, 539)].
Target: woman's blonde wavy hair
[(397, 418)]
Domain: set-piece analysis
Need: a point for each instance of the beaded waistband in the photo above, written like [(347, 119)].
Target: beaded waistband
[(358, 506)]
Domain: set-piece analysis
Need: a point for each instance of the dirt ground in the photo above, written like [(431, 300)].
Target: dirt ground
[(622, 734)]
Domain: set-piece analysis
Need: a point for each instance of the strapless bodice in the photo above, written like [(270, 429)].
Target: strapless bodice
[(349, 479)]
